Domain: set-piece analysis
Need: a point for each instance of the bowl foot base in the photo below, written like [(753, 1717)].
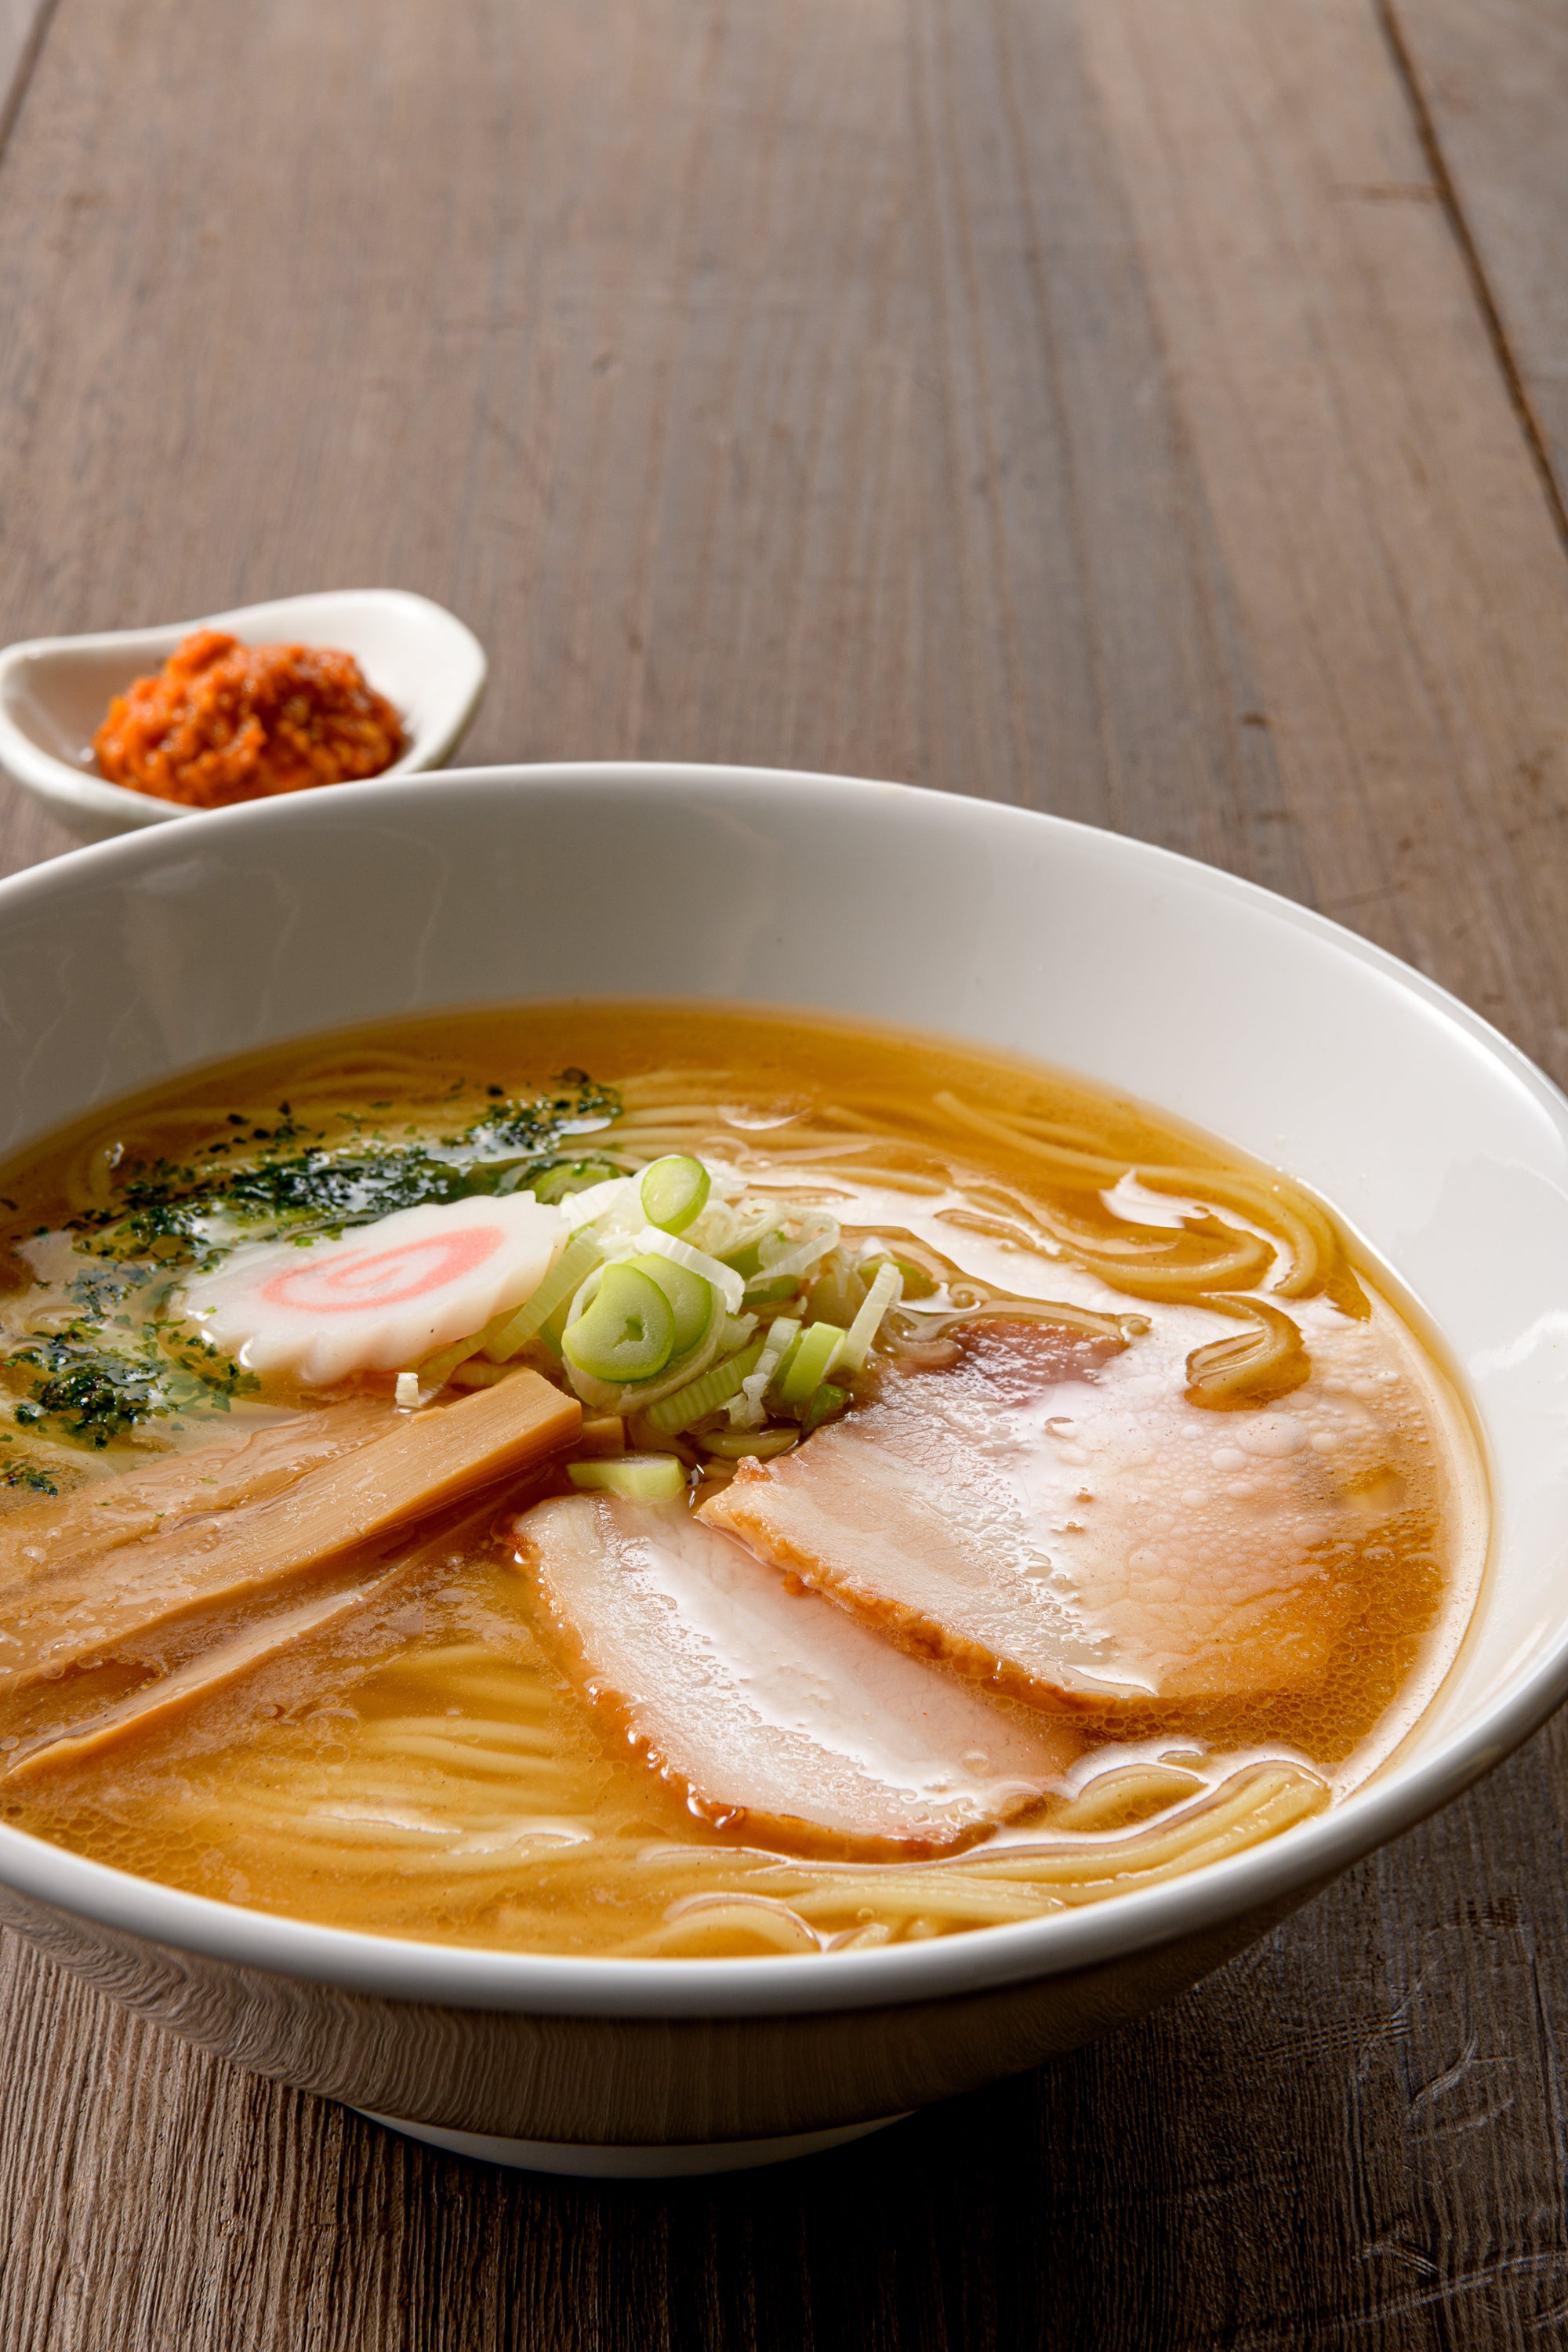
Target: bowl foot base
[(629, 2163)]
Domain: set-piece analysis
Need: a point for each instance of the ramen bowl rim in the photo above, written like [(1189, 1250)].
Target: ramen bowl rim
[(1290, 1866)]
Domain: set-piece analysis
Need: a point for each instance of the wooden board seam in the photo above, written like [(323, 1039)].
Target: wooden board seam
[(1387, 13)]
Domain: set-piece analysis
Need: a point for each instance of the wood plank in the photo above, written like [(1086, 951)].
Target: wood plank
[(1490, 79), (1399, 572), (1075, 401), (22, 28)]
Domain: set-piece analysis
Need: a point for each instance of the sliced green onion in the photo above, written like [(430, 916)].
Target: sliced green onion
[(436, 1370), (701, 1397), (746, 1409), (820, 1236), (918, 1283), (691, 1298), (599, 1201), (507, 1333), (675, 1191), (549, 1332), (640, 1477), (780, 1331), (626, 1332), (827, 1400), (768, 1290), (723, 1278), (887, 1286), (736, 1444), (569, 1176), (810, 1360), (745, 1259), (617, 1396), (497, 1177), (479, 1375)]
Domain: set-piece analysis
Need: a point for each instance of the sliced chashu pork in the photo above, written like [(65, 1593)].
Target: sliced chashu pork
[(76, 1603), (1060, 1528), (774, 1712)]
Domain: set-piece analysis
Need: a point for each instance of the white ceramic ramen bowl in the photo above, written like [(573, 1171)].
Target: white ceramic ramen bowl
[(54, 691), (1227, 1006)]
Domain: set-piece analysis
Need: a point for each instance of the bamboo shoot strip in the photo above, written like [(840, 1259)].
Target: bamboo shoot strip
[(69, 1536), (425, 1462), (170, 1693)]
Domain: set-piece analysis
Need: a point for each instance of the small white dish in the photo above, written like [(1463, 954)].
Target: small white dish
[(54, 691)]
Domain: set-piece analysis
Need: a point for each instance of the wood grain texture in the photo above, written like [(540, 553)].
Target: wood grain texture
[(22, 28), (1490, 79), (1084, 403)]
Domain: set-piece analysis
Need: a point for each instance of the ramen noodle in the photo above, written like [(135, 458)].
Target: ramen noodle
[(669, 1481)]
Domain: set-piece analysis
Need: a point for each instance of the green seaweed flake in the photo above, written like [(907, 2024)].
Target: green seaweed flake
[(331, 1189), (31, 1477), (93, 1393), (535, 1126), (100, 1289), (91, 1396), (321, 1189)]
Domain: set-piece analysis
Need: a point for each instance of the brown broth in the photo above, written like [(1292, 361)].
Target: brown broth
[(426, 1768)]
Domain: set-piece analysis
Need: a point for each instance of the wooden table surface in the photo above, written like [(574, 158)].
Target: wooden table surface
[(1150, 409)]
